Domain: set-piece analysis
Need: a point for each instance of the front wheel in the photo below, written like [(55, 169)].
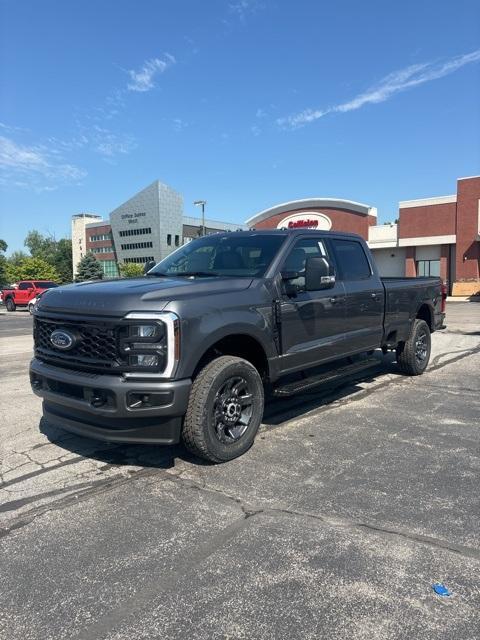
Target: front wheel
[(10, 304), (225, 410), (414, 354)]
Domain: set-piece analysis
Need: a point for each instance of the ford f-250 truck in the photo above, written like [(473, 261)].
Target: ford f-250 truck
[(188, 351)]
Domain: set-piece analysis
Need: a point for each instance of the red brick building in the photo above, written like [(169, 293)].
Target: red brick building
[(434, 236), (99, 241)]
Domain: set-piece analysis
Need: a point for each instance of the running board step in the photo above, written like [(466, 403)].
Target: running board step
[(300, 386)]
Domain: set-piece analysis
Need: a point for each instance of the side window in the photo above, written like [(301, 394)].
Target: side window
[(297, 258), (352, 260), (24, 285)]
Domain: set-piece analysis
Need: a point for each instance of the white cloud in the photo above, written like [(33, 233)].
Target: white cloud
[(179, 124), (256, 131), (109, 144), (242, 8), (38, 167), (391, 84), (143, 79)]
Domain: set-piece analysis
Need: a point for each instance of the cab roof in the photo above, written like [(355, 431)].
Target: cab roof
[(290, 232)]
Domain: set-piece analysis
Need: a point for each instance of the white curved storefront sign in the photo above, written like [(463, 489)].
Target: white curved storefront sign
[(306, 220)]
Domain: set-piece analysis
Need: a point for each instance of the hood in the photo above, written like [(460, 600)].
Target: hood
[(118, 297)]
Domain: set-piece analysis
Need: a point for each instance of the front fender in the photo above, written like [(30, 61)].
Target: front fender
[(199, 334)]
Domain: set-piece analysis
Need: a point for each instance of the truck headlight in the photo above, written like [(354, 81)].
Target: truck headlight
[(151, 342), (144, 330)]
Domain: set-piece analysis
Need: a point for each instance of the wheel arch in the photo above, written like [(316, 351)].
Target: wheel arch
[(425, 312), (243, 345)]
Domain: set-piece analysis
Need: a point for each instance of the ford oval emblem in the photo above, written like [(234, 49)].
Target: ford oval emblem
[(62, 339)]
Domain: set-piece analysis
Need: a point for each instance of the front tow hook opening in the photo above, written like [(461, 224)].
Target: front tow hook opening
[(98, 400)]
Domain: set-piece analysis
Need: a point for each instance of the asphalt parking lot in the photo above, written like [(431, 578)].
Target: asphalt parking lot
[(355, 499)]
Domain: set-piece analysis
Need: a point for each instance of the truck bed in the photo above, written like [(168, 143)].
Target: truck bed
[(404, 294)]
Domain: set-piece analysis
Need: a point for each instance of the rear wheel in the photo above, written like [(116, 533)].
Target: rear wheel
[(414, 354), (225, 409), (10, 304)]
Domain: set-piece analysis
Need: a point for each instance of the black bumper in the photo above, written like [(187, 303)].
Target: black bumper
[(100, 406)]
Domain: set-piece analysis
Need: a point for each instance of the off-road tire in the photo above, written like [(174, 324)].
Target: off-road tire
[(10, 304), (198, 431), (407, 357)]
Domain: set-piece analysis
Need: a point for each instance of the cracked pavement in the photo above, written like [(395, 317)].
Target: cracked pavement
[(355, 499)]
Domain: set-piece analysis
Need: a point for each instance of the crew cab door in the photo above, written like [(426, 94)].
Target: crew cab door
[(23, 293), (365, 296), (312, 322)]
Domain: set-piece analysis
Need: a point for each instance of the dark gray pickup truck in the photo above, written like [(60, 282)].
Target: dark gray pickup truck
[(188, 351)]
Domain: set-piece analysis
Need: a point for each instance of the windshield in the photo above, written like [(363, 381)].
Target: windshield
[(232, 255)]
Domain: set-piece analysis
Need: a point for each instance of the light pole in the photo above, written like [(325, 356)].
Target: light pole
[(201, 203)]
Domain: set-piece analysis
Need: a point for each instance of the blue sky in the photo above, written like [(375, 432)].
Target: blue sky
[(245, 103)]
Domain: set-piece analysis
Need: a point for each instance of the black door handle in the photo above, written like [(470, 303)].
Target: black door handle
[(374, 296)]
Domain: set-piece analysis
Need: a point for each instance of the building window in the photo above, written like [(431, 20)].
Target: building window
[(135, 232), (105, 236), (110, 268), (169, 239), (137, 245), (139, 260), (177, 241), (428, 268), (102, 250)]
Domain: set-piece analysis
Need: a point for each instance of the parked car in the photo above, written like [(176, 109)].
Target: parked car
[(189, 351), (24, 292), (33, 301)]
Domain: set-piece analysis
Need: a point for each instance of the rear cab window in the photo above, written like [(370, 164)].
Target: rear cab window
[(352, 261)]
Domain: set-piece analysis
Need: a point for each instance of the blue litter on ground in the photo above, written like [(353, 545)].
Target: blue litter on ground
[(441, 589)]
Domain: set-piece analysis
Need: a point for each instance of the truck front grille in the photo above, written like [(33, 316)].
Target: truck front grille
[(95, 344)]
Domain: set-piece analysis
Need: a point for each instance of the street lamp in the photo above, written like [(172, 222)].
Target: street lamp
[(201, 203)]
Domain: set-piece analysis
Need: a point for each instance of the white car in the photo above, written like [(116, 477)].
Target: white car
[(33, 301)]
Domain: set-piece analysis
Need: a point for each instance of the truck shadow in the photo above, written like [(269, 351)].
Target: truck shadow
[(277, 412)]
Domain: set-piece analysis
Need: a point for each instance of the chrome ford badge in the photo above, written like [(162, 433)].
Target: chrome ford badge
[(62, 339)]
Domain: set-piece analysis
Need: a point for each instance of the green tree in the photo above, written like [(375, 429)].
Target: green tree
[(89, 269), (56, 252), (62, 260), (39, 245), (3, 264), (31, 269), (131, 270), (15, 258)]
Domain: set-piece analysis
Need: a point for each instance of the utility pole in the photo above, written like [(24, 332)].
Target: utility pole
[(202, 203)]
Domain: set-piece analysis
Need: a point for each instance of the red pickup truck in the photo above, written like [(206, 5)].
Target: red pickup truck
[(27, 290)]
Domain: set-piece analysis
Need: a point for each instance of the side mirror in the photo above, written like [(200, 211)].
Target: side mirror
[(289, 275), (149, 265), (319, 274)]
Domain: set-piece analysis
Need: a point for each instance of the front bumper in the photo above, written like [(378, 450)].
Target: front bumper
[(111, 408)]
